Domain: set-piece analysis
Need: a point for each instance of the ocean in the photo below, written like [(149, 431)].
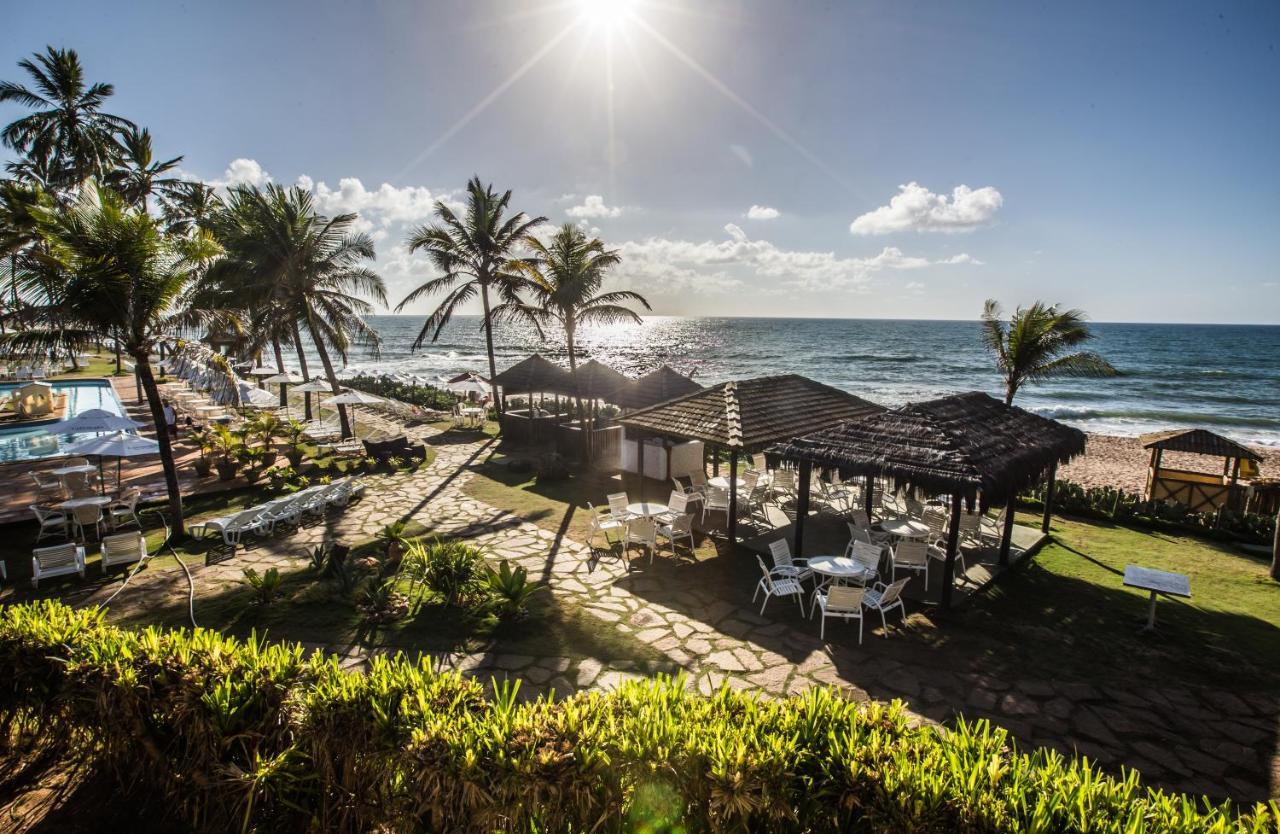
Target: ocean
[(1221, 377)]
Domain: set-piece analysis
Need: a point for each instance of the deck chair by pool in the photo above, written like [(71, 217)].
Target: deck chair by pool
[(123, 549), (59, 560)]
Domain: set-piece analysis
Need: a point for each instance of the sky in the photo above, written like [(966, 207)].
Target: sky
[(847, 159)]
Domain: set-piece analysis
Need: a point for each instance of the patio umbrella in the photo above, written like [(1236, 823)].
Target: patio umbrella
[(315, 386), (352, 398), (262, 371), (94, 420), (252, 395), (284, 379), (118, 445), (470, 386)]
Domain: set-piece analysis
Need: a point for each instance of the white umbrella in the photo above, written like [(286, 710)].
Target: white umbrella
[(118, 445), (261, 371), (470, 386), (256, 397), (352, 397), (282, 379), (95, 420), (315, 386)]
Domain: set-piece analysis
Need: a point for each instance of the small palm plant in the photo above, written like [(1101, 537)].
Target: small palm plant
[(510, 590), (265, 585), (1036, 343)]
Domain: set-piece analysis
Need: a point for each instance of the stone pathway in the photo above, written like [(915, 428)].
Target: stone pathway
[(1203, 741)]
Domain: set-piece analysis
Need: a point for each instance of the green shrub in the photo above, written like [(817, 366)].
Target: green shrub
[(266, 585), (452, 569), (245, 735), (509, 590)]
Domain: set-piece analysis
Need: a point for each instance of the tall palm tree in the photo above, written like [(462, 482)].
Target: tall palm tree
[(305, 267), (125, 275), (1036, 343), (67, 127), (566, 276), (138, 173), (476, 255), (186, 204)]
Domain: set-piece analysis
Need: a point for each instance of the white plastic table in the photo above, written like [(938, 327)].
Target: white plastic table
[(840, 569), (89, 501), (904, 528), (1157, 582), (83, 468), (648, 508), (722, 482)]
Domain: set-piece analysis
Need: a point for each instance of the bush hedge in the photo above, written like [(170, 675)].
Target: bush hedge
[(246, 735), (1111, 504), (423, 396)]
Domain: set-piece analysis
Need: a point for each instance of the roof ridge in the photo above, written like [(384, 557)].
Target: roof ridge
[(732, 414)]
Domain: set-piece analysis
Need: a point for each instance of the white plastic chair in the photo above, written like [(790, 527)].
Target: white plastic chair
[(51, 523), (784, 563), (59, 560), (885, 598), (678, 528), (87, 515), (123, 549), (843, 601), (644, 531), (777, 584), (618, 502), (717, 501), (600, 521), (124, 510)]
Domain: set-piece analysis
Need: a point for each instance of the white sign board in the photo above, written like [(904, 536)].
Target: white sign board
[(1149, 579)]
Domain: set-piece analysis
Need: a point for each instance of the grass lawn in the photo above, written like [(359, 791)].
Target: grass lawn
[(100, 365)]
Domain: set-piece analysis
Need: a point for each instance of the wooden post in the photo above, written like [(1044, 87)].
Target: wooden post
[(1275, 551), (1006, 535), (1156, 456), (802, 505), (868, 494), (715, 461), (1048, 497), (733, 498), (953, 545), (640, 460)]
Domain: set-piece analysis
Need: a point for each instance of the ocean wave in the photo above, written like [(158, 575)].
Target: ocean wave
[(878, 357)]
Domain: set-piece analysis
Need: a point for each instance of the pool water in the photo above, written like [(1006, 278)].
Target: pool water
[(33, 443)]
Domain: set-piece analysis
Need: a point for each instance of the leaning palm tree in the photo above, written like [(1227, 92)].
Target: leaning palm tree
[(67, 127), (476, 255), (138, 172), (566, 276), (125, 275), (186, 205), (1036, 343)]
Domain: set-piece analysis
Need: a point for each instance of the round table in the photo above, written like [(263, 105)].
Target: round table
[(89, 501), (83, 468), (904, 528), (840, 569), (722, 482), (648, 509)]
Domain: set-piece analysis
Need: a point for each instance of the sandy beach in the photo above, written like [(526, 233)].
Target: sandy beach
[(1122, 462)]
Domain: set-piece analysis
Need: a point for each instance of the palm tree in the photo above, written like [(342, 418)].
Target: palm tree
[(67, 131), (125, 275), (565, 279), (138, 173), (1034, 345), (305, 268), (475, 255), (186, 204)]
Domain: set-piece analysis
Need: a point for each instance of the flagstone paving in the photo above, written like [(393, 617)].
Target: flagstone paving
[(1206, 741)]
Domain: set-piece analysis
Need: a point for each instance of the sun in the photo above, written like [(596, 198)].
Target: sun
[(606, 14)]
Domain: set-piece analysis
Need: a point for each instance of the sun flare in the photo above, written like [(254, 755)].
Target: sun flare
[(607, 14)]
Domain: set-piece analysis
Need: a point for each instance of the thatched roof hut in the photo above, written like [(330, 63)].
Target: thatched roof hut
[(965, 444), (597, 381), (749, 414), (535, 375), (1200, 442), (655, 387)]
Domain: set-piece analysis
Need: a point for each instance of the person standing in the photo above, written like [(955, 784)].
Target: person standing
[(170, 419)]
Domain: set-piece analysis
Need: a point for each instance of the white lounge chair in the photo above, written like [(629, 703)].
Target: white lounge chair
[(885, 598), (59, 560), (843, 601), (123, 549), (776, 583)]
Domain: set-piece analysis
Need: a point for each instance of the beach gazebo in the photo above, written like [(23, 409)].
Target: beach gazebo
[(747, 416), (596, 381), (657, 386), (971, 447), (1200, 492), (533, 375)]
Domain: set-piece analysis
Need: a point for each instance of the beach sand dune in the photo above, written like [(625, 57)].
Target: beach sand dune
[(1122, 462)]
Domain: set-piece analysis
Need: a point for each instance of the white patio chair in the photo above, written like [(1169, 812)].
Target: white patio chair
[(698, 479), (937, 523), (843, 601), (218, 525), (913, 508), (124, 510), (123, 549), (47, 484), (678, 528), (600, 521), (784, 563), (87, 515), (51, 523), (777, 584), (717, 501), (939, 552), (991, 530), (644, 531), (758, 462), (885, 598), (618, 502), (677, 505), (783, 484), (747, 495), (971, 528), (912, 555), (59, 560), (240, 524), (867, 556)]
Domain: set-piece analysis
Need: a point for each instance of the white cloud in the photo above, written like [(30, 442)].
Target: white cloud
[(916, 207), (762, 213), (384, 205), (242, 172), (593, 206)]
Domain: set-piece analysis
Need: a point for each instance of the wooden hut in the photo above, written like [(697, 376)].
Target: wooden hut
[(655, 387), (747, 416), (594, 382), (1200, 492), (530, 376), (971, 447)]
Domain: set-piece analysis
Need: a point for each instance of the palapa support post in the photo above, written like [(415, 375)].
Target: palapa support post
[(868, 494), (1006, 535), (640, 461), (953, 545), (733, 498), (1048, 497), (802, 505)]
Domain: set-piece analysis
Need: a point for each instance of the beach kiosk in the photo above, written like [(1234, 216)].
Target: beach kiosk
[(1200, 492)]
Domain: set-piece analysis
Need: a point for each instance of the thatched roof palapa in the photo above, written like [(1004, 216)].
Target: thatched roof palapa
[(656, 387), (1200, 442), (597, 381), (535, 375), (752, 413), (962, 444)]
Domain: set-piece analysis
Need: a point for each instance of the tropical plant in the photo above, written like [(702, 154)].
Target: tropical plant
[(394, 539), (452, 570), (566, 278), (476, 255), (185, 205), (380, 602), (509, 590), (67, 134), (1034, 345), (138, 174), (265, 585)]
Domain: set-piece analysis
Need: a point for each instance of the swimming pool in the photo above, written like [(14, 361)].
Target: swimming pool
[(31, 443)]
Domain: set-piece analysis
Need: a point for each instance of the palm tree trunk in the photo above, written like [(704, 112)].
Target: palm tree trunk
[(488, 340), (331, 376), (284, 389), (1275, 551), (116, 335), (302, 363), (573, 369), (162, 436)]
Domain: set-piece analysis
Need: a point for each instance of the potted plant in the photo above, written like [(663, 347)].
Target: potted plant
[(226, 442), (254, 460), (205, 441), (395, 540), (267, 427), (293, 433)]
